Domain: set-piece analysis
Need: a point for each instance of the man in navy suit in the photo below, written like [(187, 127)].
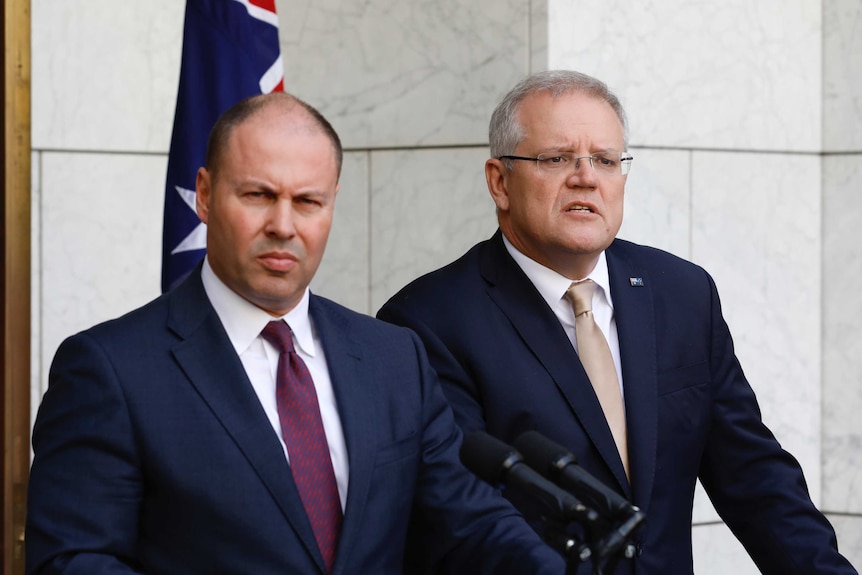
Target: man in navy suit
[(161, 447), (501, 333)]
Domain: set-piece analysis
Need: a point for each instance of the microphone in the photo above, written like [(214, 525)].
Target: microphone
[(501, 465), (558, 464), (555, 461)]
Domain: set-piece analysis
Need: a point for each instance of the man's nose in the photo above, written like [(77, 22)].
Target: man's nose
[(280, 219), (582, 172)]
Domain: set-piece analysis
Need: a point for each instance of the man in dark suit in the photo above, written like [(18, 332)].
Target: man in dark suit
[(502, 326), (168, 441)]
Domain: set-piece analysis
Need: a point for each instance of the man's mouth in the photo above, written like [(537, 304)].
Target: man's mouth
[(278, 261)]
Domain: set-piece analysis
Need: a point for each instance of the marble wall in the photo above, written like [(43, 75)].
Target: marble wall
[(746, 128), (758, 105), (842, 254)]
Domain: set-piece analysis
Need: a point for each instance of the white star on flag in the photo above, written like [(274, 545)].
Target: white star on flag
[(197, 239)]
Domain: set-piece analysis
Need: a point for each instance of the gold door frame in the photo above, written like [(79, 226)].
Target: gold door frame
[(15, 213)]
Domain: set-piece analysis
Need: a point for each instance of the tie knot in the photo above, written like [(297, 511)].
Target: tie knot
[(581, 296), (279, 334)]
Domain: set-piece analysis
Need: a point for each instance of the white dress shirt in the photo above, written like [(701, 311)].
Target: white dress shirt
[(552, 286), (243, 322)]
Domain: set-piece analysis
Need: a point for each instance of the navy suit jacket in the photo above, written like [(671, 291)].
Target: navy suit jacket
[(153, 454), (507, 366)]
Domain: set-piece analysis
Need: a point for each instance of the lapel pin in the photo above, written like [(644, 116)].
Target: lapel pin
[(636, 282)]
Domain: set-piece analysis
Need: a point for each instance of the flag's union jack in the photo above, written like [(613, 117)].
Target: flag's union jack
[(230, 51)]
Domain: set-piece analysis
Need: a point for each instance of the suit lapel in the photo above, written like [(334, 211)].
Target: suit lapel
[(356, 407), (634, 312), (206, 356), (542, 333)]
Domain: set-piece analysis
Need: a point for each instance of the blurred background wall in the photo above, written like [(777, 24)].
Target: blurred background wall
[(746, 127)]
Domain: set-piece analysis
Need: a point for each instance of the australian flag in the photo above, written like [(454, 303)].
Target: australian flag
[(230, 52)]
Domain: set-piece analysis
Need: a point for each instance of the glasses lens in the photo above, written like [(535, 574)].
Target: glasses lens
[(610, 163), (607, 163), (555, 163), (625, 163)]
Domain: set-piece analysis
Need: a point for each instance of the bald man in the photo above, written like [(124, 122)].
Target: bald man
[(240, 424)]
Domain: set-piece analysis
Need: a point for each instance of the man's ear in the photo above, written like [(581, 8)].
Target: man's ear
[(496, 175), (203, 191)]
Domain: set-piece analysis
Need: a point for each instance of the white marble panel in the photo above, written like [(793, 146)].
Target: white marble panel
[(394, 73), (842, 82), (732, 74), (100, 240), (538, 37), (703, 512), (658, 200), (717, 552), (344, 274), (756, 229), (842, 334), (105, 74), (848, 529), (428, 207)]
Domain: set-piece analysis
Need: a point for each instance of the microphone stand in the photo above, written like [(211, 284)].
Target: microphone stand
[(606, 539), (600, 548), (603, 547), (606, 534)]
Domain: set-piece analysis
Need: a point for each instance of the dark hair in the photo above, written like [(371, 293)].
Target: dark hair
[(245, 109)]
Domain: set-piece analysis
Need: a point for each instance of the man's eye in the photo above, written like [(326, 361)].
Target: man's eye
[(555, 160), (605, 161), (307, 202)]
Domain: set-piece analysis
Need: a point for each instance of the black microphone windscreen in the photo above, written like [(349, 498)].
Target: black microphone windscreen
[(487, 457), (541, 453), (559, 465)]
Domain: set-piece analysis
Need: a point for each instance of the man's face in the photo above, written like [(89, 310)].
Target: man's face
[(561, 220), (268, 208)]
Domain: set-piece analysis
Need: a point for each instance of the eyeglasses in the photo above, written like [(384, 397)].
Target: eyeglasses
[(608, 163)]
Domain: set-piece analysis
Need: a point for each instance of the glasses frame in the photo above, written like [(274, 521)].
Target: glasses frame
[(625, 161)]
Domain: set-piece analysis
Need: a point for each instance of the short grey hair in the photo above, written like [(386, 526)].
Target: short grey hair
[(505, 132)]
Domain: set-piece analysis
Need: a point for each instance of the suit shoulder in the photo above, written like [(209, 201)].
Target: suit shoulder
[(654, 260), (650, 253), (138, 321), (650, 256), (457, 277), (344, 318)]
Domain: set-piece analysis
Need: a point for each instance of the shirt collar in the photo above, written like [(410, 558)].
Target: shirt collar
[(243, 321), (552, 285)]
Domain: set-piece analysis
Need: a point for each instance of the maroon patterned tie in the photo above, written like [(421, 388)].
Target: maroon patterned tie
[(302, 428)]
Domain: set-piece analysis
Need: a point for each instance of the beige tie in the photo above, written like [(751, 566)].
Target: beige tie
[(599, 363)]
